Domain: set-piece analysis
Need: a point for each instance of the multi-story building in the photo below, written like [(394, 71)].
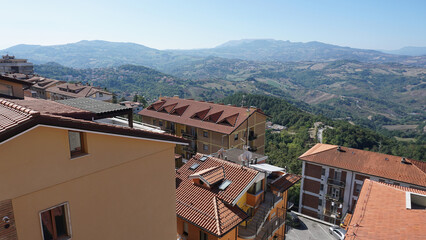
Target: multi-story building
[(39, 86), (68, 178), (76, 90), (333, 177), (386, 211), (9, 64), (12, 87), (219, 199), (208, 125)]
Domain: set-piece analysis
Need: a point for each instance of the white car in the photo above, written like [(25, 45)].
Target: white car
[(337, 232)]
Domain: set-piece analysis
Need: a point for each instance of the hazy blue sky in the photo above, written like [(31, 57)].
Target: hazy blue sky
[(184, 24)]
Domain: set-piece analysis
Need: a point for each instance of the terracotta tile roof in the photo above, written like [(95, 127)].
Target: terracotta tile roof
[(372, 163), (14, 80), (210, 175), (75, 90), (15, 119), (54, 108), (206, 115), (381, 213), (212, 209), (41, 82), (284, 182), (10, 116)]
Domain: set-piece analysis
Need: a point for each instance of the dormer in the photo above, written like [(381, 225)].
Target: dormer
[(156, 106), (229, 121), (208, 177), (213, 117), (167, 108), (200, 115), (179, 110)]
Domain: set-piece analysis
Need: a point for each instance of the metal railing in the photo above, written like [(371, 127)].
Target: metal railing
[(189, 136), (334, 198), (336, 182), (272, 226)]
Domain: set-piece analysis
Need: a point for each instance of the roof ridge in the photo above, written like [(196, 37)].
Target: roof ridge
[(216, 214), (319, 145), (18, 107)]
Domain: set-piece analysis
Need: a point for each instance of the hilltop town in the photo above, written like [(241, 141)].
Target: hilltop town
[(78, 163)]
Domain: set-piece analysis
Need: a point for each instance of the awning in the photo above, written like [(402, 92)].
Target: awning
[(264, 167)]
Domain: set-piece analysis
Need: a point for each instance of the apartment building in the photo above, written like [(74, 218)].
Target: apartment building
[(208, 125), (12, 88), (76, 90), (10, 64), (387, 211), (68, 178), (219, 199), (333, 177)]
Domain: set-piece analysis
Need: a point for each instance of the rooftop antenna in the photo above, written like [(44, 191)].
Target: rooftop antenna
[(243, 101)]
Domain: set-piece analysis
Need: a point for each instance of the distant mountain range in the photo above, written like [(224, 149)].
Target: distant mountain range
[(409, 51), (94, 54)]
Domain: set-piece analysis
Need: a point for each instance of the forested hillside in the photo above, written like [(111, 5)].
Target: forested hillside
[(284, 148)]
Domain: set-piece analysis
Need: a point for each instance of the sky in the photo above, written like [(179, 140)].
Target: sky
[(189, 24)]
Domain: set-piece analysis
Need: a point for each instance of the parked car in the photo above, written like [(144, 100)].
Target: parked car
[(337, 232), (294, 220)]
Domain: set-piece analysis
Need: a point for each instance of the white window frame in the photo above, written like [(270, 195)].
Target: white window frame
[(67, 217)]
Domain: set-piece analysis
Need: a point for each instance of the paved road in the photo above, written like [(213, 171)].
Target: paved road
[(309, 230)]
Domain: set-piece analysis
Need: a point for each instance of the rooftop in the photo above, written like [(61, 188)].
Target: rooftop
[(206, 115), (234, 153), (94, 106), (16, 118), (372, 163), (76, 90), (212, 209), (381, 213)]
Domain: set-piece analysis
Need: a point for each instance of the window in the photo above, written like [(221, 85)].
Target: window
[(76, 143), (358, 188), (320, 202), (322, 171), (322, 187), (101, 94), (154, 122), (205, 147), (225, 184), (255, 188), (6, 89), (160, 123), (55, 223), (185, 228), (205, 134), (236, 137), (203, 236)]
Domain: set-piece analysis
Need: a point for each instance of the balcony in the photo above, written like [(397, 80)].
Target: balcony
[(336, 182), (189, 136), (189, 149), (334, 198), (252, 137), (254, 200), (331, 214), (257, 224)]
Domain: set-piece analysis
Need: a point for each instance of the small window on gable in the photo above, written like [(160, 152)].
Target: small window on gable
[(76, 142), (101, 94), (55, 223), (160, 123), (236, 137)]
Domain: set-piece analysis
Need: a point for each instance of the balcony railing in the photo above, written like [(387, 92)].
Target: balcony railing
[(252, 137), (189, 149), (271, 227), (336, 182), (329, 213), (189, 136), (334, 198)]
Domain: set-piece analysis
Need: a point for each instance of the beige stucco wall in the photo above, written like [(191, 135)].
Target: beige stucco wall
[(123, 189), (16, 88)]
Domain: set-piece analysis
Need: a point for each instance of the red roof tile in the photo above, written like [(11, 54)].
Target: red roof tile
[(210, 116), (75, 90), (15, 119), (212, 209), (210, 175), (381, 213), (372, 163)]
